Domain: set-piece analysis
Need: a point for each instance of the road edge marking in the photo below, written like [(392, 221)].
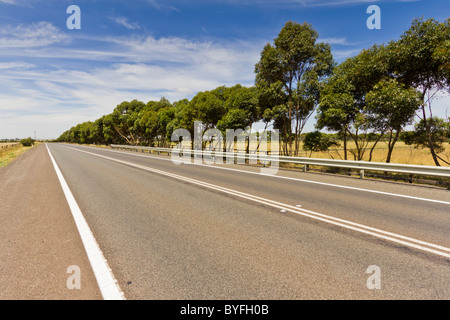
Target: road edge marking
[(107, 283)]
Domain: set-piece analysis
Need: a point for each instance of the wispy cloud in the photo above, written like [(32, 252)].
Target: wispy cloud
[(14, 2), (344, 54), (135, 67), (27, 36), (337, 41), (15, 65), (19, 3), (164, 6), (123, 21)]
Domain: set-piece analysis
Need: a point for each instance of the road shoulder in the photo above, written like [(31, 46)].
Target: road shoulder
[(39, 239)]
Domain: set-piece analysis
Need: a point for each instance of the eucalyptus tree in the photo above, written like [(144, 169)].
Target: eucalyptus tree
[(298, 63), (440, 133), (242, 110), (421, 59), (110, 134), (343, 103), (317, 141), (208, 107), (124, 119), (98, 133), (390, 107), (163, 117)]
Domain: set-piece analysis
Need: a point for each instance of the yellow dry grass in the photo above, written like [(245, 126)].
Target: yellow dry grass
[(402, 154), (10, 154), (6, 144)]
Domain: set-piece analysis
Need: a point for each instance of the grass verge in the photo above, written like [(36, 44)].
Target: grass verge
[(8, 156)]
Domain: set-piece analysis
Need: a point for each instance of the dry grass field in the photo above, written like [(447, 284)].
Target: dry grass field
[(9, 152), (402, 153), (7, 145)]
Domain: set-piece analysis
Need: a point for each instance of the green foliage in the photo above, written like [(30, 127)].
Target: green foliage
[(343, 98), (390, 105), (420, 57), (27, 142), (137, 123), (317, 142), (289, 76), (378, 90), (440, 131), (370, 97)]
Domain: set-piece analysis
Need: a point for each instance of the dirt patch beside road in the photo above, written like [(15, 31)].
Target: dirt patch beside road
[(39, 240)]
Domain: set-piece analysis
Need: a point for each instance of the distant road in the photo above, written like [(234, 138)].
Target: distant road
[(172, 231)]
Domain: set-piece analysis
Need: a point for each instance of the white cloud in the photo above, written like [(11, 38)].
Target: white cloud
[(143, 68), (337, 41), (344, 54), (123, 21), (135, 67), (162, 7), (28, 36), (15, 65)]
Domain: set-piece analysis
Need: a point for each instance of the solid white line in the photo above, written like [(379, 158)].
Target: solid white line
[(286, 178), (396, 238), (107, 283)]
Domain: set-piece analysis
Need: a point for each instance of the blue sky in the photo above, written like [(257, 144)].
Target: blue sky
[(52, 78)]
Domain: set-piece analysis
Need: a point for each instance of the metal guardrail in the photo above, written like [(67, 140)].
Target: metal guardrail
[(362, 166)]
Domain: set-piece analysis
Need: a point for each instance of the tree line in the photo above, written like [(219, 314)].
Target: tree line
[(368, 98)]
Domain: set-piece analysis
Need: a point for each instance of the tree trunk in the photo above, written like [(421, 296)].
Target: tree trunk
[(375, 144), (345, 144), (391, 146), (428, 130)]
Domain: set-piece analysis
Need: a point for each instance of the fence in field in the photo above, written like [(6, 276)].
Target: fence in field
[(6, 146)]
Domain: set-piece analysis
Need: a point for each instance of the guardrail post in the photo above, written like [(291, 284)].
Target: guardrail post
[(361, 174), (305, 168)]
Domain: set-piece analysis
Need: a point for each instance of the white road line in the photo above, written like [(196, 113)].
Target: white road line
[(381, 234), (287, 178), (107, 283)]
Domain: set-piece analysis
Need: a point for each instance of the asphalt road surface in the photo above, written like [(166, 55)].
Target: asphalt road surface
[(184, 231)]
